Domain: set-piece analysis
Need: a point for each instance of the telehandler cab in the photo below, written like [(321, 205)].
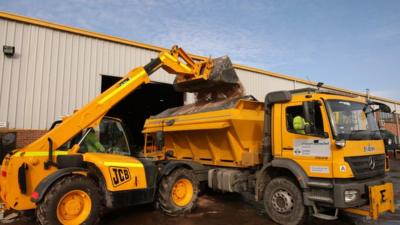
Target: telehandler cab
[(83, 162)]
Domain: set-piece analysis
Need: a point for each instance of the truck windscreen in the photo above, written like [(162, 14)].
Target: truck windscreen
[(353, 120)]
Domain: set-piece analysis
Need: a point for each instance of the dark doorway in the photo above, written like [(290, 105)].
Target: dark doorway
[(147, 100)]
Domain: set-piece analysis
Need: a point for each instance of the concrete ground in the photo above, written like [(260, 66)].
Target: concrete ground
[(230, 209)]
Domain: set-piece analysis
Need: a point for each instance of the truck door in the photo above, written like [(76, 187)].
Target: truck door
[(306, 140)]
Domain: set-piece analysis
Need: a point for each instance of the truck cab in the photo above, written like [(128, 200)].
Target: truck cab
[(335, 142), (339, 138)]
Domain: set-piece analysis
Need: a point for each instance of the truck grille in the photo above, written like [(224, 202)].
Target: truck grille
[(367, 166)]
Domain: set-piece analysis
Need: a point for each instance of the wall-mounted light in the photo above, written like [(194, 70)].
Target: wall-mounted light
[(9, 51), (3, 124)]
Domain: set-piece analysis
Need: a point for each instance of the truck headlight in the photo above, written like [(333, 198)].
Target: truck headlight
[(350, 195)]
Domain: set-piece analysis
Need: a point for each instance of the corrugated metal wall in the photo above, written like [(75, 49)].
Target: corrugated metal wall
[(55, 72)]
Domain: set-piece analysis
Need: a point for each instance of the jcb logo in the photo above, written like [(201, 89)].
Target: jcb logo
[(119, 175)]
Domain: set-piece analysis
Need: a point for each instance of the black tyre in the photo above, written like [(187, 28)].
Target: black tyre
[(283, 201), (178, 192), (72, 200)]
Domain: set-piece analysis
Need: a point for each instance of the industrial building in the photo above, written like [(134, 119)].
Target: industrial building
[(47, 70)]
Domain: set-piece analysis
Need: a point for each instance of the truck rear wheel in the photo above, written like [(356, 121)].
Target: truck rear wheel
[(72, 200), (178, 192), (283, 201)]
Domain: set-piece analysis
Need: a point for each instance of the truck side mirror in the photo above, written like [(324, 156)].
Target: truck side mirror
[(306, 111), (384, 108), (309, 110), (307, 128), (160, 139)]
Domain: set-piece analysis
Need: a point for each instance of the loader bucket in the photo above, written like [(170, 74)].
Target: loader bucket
[(222, 74)]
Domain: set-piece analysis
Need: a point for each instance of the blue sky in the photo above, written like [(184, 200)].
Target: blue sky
[(353, 44)]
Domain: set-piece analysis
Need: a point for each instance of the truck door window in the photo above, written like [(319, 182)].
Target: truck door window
[(295, 121)]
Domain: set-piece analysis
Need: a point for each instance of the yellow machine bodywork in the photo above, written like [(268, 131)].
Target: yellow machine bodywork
[(25, 170), (116, 167), (233, 138), (111, 166)]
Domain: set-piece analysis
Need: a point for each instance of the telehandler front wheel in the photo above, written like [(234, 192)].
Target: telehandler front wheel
[(178, 192), (283, 202), (72, 200)]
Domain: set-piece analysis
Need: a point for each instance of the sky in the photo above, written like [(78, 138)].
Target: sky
[(352, 44)]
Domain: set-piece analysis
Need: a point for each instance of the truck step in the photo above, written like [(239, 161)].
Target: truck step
[(323, 216)]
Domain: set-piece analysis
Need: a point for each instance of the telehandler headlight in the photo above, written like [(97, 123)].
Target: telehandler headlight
[(350, 195)]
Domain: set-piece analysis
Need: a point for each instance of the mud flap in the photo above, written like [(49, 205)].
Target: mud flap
[(22, 177), (381, 199)]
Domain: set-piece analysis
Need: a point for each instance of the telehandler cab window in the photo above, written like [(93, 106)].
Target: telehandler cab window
[(113, 138), (109, 138), (296, 122), (91, 142)]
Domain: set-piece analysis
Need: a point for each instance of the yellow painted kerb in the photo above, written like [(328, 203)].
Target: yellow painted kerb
[(42, 23)]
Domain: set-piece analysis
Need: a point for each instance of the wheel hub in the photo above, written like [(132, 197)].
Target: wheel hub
[(282, 201), (74, 207), (182, 192)]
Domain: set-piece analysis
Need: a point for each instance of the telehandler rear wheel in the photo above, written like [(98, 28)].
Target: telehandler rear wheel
[(72, 200), (283, 201), (178, 192)]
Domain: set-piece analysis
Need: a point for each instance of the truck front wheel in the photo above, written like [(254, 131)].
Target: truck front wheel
[(178, 192), (283, 201), (72, 200)]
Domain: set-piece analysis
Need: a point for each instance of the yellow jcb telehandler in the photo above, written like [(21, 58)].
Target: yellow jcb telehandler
[(84, 163)]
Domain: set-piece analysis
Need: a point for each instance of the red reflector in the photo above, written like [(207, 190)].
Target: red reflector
[(35, 195), (4, 173)]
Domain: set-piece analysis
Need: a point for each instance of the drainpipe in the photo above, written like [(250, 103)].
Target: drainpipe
[(396, 118)]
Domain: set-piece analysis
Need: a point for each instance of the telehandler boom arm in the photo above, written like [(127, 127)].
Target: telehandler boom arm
[(175, 61)]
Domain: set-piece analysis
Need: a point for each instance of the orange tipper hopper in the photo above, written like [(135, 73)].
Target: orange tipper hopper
[(222, 74)]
